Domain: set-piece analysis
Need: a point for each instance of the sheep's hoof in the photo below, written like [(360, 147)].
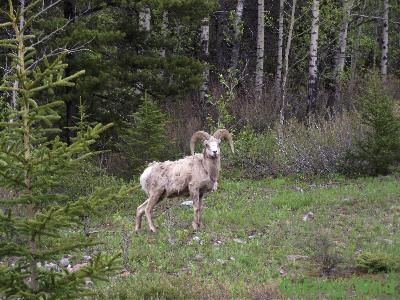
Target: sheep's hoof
[(197, 226), (153, 230)]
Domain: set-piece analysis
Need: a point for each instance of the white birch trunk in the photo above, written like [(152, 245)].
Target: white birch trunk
[(278, 77), (204, 43), (313, 53), (286, 62), (342, 42), (340, 58), (145, 19), (237, 27), (164, 30), (385, 40), (144, 25), (259, 80)]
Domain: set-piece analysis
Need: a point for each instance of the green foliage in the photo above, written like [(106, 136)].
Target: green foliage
[(34, 161), (254, 154), (325, 254), (224, 118), (375, 262), (378, 150), (144, 138)]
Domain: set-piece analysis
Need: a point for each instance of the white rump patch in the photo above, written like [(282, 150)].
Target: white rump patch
[(143, 178)]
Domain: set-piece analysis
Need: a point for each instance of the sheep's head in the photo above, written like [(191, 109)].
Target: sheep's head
[(211, 142)]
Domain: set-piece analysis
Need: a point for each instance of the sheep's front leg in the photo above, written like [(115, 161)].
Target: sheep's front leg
[(139, 214), (197, 207)]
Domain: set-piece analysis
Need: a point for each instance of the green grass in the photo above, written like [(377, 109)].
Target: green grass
[(250, 229)]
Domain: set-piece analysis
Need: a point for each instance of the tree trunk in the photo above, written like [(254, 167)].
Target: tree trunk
[(340, 58), (238, 30), (385, 40), (286, 62), (313, 53), (144, 19), (278, 77), (260, 50), (70, 105), (220, 40), (164, 30), (204, 43)]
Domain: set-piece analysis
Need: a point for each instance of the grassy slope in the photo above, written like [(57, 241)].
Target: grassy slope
[(250, 229)]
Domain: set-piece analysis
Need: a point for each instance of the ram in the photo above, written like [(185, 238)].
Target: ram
[(194, 176)]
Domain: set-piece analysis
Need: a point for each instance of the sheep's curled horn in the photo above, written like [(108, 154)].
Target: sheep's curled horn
[(202, 135)]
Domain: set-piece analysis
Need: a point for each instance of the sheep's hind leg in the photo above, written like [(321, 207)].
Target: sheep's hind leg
[(139, 215), (197, 207), (152, 201)]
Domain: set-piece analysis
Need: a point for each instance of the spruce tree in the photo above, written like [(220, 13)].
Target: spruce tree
[(378, 149), (35, 221), (143, 139)]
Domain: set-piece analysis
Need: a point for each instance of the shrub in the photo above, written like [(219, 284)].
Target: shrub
[(375, 262), (326, 256), (318, 149), (254, 154), (378, 150), (144, 138)]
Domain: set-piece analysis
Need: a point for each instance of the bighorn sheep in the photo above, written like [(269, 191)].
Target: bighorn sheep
[(193, 175)]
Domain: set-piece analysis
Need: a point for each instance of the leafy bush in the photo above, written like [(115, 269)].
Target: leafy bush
[(378, 150), (375, 262), (254, 154), (144, 138)]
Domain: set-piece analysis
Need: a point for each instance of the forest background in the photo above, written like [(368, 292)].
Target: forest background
[(309, 89)]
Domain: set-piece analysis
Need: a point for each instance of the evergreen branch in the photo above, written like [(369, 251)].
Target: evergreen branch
[(110, 3), (31, 19), (50, 35), (11, 178), (63, 82), (67, 248)]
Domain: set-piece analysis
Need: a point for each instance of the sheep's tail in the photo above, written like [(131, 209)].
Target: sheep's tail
[(144, 182)]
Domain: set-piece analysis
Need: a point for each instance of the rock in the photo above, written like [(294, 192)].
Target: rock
[(187, 203), (172, 241), (239, 241), (198, 256), (76, 267), (390, 242), (232, 258), (217, 243), (196, 239), (64, 262), (51, 266), (125, 273), (295, 257), (282, 271), (87, 258), (308, 216)]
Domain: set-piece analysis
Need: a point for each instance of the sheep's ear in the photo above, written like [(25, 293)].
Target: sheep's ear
[(205, 142)]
